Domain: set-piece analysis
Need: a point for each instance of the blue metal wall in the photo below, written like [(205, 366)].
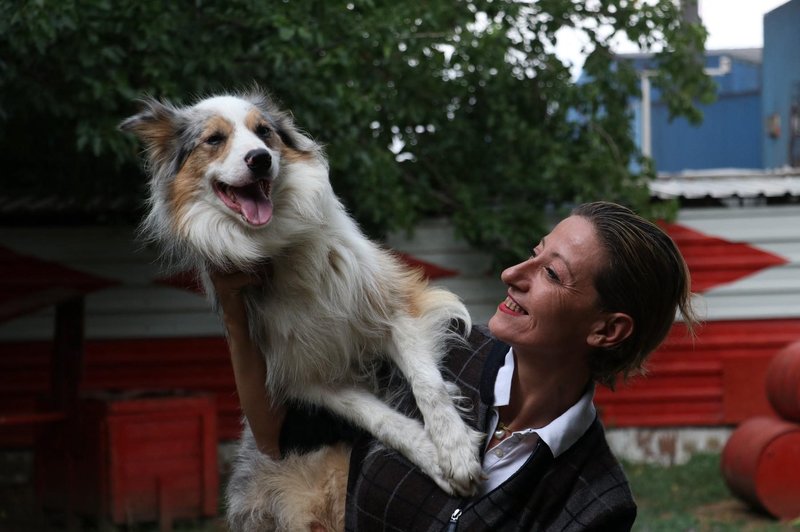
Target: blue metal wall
[(728, 137), (730, 134), (781, 70)]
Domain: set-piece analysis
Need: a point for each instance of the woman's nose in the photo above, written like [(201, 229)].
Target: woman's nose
[(514, 274)]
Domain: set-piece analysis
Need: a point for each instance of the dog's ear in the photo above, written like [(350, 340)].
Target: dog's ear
[(282, 120), (158, 126)]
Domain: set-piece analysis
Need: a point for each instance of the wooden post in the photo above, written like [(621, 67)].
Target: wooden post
[(68, 347)]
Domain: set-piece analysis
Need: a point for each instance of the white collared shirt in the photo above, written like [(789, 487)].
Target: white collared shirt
[(504, 459)]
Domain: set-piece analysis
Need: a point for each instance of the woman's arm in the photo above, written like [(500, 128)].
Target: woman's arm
[(249, 370)]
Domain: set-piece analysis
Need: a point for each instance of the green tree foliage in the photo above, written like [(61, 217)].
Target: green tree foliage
[(488, 126)]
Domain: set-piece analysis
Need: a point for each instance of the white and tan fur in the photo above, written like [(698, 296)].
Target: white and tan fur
[(333, 302)]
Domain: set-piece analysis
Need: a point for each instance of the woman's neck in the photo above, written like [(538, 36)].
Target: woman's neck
[(541, 392)]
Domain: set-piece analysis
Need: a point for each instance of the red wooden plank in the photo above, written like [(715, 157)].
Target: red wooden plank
[(661, 419), (155, 378), (32, 418), (640, 395)]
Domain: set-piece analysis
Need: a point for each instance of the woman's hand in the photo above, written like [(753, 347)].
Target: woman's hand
[(249, 369), (228, 288)]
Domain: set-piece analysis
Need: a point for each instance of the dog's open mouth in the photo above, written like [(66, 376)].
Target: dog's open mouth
[(251, 201)]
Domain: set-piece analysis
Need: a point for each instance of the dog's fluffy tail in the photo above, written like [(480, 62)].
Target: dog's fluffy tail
[(290, 494)]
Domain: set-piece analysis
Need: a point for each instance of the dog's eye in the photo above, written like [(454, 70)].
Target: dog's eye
[(263, 131), (215, 139)]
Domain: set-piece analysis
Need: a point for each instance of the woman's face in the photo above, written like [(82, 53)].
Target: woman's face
[(551, 306)]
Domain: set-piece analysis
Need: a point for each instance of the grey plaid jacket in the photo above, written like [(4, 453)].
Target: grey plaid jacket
[(583, 489)]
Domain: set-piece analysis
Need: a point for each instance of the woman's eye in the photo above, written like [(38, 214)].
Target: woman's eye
[(551, 273), (215, 139)]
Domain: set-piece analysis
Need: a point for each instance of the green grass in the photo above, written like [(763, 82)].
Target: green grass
[(692, 497)]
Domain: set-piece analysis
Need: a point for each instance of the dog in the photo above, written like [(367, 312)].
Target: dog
[(236, 186)]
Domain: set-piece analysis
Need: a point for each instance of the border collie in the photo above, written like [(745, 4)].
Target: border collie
[(234, 185)]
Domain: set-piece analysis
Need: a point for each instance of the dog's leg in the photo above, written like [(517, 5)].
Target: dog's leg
[(416, 355), (395, 430)]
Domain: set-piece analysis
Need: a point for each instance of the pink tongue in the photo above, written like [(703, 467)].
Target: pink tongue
[(256, 206)]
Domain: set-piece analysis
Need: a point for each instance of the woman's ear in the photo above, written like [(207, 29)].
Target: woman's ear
[(611, 330)]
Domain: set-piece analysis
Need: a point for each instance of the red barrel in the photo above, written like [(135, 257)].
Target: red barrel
[(761, 465), (783, 382)]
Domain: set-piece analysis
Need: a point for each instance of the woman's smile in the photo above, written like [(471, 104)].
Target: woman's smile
[(509, 306)]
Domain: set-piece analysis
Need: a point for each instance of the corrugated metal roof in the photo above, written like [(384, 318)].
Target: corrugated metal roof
[(725, 184), (751, 55)]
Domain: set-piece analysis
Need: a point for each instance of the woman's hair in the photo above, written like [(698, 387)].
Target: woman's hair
[(644, 277)]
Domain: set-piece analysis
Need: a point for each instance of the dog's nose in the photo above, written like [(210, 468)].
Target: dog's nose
[(258, 161)]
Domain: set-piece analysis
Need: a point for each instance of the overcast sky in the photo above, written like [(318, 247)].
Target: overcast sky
[(730, 24), (735, 23)]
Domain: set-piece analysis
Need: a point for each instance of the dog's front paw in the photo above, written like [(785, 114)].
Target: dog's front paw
[(459, 460), (426, 458)]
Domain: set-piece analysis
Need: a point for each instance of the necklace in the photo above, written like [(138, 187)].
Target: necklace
[(502, 430)]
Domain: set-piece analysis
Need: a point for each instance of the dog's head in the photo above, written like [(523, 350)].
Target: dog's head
[(218, 170)]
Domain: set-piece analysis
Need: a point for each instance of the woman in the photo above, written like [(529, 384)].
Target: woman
[(596, 297)]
